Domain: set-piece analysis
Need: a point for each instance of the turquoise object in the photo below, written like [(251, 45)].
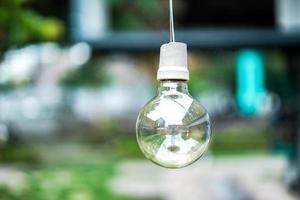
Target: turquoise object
[(250, 82)]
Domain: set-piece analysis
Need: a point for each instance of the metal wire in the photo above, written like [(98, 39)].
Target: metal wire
[(172, 31)]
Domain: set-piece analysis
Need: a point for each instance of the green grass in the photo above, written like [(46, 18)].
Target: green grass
[(83, 172), (68, 173), (127, 148)]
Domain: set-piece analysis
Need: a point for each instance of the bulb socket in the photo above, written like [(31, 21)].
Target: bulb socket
[(173, 63)]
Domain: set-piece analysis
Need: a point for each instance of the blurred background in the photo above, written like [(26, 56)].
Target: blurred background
[(75, 73)]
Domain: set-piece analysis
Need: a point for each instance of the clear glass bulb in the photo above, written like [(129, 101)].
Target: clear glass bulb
[(173, 129)]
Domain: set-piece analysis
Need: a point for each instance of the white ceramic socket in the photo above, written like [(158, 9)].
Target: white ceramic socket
[(173, 62)]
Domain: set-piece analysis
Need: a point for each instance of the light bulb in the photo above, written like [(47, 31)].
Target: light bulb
[(173, 129)]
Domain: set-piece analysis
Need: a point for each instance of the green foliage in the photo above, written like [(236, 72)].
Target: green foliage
[(240, 140), (20, 154), (210, 70), (89, 75), (9, 86), (20, 25), (277, 77), (127, 147), (137, 14), (233, 141)]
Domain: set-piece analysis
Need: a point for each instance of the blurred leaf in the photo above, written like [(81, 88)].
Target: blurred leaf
[(137, 14), (20, 25), (239, 140), (90, 75), (127, 147)]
